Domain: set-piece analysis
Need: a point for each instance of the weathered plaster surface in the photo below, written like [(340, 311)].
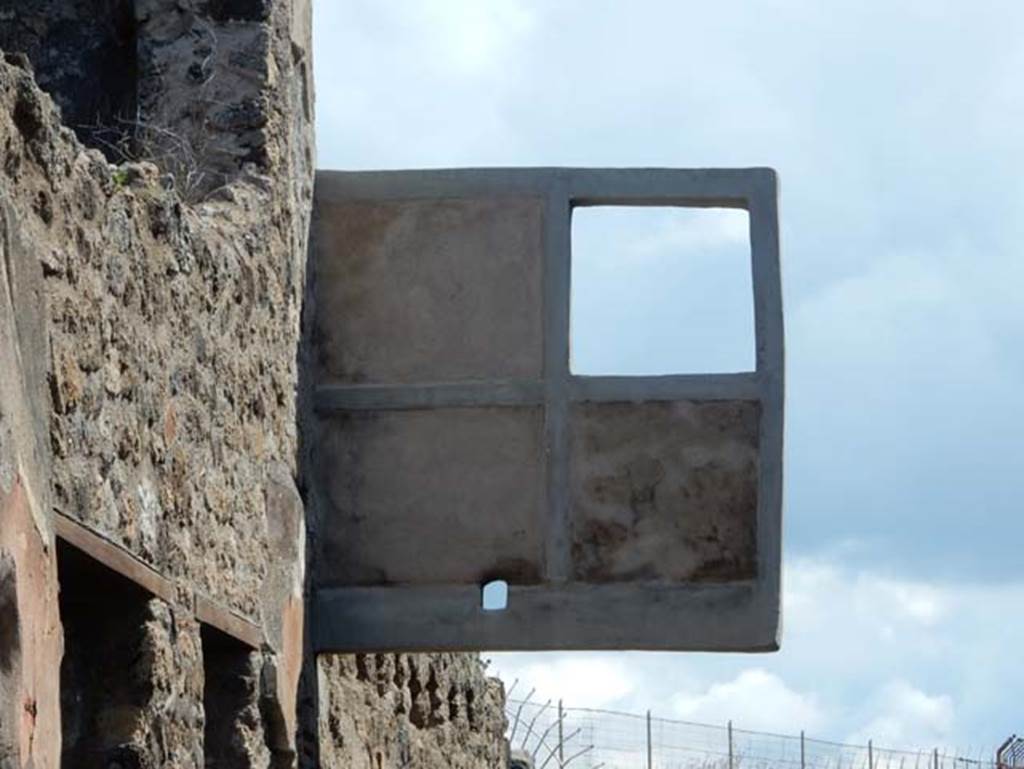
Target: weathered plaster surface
[(429, 291), (403, 483), (30, 633), (664, 491)]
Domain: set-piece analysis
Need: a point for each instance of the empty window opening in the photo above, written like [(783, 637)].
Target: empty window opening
[(104, 676), (231, 691), (494, 596), (661, 290)]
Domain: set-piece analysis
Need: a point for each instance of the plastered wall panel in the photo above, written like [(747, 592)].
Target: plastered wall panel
[(430, 290), (434, 496), (664, 491)]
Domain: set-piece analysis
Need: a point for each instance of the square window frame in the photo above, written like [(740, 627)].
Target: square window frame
[(749, 339)]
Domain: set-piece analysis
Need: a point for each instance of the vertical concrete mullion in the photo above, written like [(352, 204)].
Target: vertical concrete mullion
[(557, 283), (764, 249), (768, 321)]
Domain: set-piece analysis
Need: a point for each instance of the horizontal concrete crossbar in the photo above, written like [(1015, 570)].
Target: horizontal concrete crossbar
[(740, 617), (582, 389)]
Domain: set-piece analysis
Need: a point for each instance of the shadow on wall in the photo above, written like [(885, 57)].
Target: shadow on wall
[(10, 654), (83, 53), (182, 84), (105, 678)]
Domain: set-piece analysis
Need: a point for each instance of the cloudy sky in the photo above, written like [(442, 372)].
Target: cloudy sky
[(896, 131)]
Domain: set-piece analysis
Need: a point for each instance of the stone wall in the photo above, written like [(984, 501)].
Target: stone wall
[(30, 634), (173, 326), (168, 343), (202, 88), (83, 52), (150, 298), (388, 711)]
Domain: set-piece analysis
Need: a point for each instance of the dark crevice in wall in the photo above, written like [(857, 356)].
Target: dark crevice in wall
[(103, 675), (277, 738), (237, 10), (10, 655), (436, 703), (230, 689), (453, 703), (9, 622), (470, 711), (417, 713)]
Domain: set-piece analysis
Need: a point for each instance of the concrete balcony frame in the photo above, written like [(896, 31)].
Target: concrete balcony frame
[(560, 605)]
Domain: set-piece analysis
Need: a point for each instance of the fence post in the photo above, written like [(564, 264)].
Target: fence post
[(803, 752), (650, 762), (730, 746), (871, 756), (561, 736)]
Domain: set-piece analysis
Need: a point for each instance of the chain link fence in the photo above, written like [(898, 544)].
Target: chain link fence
[(558, 737)]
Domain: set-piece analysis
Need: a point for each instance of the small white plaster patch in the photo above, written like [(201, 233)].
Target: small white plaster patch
[(149, 513)]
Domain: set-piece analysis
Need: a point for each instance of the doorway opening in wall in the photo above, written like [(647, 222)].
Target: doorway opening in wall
[(104, 676), (230, 697), (661, 290)]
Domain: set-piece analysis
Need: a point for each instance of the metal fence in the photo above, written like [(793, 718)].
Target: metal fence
[(1011, 752), (557, 737)]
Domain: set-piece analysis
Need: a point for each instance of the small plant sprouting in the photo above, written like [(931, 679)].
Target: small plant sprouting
[(120, 176)]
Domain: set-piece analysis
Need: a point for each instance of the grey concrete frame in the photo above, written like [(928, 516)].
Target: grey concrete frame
[(559, 613)]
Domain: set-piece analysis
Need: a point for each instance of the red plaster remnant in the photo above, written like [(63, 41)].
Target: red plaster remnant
[(289, 661), (29, 679)]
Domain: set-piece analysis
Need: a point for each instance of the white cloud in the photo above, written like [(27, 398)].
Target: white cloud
[(693, 231), (581, 680), (654, 238), (476, 39), (756, 699), (902, 715), (914, 601), (819, 593), (415, 84)]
